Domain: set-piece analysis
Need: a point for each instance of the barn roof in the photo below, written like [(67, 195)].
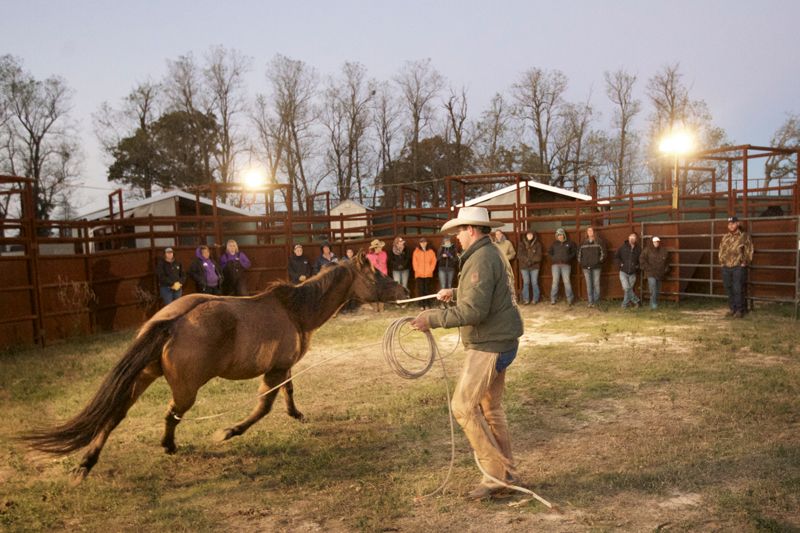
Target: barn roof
[(99, 214), (529, 184)]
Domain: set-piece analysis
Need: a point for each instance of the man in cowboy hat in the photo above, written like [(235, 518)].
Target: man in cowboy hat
[(491, 325)]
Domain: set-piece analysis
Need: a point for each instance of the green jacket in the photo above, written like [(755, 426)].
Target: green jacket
[(486, 310)]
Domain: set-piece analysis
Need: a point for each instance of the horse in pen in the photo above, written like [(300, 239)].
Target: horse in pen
[(200, 337)]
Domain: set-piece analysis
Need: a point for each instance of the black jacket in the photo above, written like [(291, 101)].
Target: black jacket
[(299, 266), (655, 262), (447, 259), (562, 253), (168, 273), (591, 254), (628, 258), (399, 262)]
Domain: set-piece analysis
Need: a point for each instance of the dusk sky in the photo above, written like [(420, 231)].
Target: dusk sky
[(740, 57)]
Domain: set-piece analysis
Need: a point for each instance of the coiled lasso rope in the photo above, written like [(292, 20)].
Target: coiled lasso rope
[(391, 338)]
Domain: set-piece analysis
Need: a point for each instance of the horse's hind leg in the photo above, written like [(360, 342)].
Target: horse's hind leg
[(288, 396), (145, 378), (268, 381), (181, 402)]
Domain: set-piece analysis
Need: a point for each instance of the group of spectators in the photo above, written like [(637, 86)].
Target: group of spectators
[(591, 254), (652, 260), (209, 276), (423, 261)]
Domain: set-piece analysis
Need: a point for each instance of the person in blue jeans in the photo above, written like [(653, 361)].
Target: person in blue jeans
[(446, 263), (655, 265), (562, 252), (627, 257), (529, 256), (591, 255), (171, 277)]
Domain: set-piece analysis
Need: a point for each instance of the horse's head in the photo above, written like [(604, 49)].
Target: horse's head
[(371, 285)]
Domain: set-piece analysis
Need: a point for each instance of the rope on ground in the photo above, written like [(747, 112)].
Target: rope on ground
[(391, 338)]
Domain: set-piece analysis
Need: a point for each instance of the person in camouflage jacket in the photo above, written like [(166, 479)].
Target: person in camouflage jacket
[(735, 255)]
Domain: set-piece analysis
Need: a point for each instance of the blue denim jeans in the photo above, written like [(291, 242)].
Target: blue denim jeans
[(401, 277), (654, 286), (530, 280), (446, 278), (563, 272), (592, 276), (168, 295), (628, 282), (734, 279)]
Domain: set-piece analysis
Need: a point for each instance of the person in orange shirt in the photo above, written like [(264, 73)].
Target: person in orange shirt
[(424, 263)]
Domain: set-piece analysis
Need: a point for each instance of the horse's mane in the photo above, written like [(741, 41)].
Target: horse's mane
[(304, 298)]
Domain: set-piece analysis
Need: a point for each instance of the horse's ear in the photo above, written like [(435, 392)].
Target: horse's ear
[(360, 258)]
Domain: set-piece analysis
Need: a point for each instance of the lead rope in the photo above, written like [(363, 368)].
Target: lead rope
[(390, 338)]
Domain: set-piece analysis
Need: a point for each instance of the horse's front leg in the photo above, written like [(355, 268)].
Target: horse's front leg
[(288, 395), (265, 400)]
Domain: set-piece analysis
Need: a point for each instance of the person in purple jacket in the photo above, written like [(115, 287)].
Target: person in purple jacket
[(205, 272), (233, 264)]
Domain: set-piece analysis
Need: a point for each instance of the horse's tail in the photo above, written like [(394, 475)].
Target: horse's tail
[(110, 402)]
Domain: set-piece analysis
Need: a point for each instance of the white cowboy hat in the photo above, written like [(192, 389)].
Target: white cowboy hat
[(471, 216)]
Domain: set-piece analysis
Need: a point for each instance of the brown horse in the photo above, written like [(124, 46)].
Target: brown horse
[(200, 337)]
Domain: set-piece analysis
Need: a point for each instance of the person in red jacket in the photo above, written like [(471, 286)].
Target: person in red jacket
[(423, 261)]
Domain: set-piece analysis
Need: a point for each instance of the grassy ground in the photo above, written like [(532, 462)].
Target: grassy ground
[(633, 420)]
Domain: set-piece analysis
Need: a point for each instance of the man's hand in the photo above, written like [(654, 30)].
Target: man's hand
[(176, 286), (445, 295), (302, 278), (421, 322)]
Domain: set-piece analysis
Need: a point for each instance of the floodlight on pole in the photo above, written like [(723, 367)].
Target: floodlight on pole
[(678, 142)]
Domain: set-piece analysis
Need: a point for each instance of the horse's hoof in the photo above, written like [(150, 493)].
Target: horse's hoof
[(169, 447), (300, 417), (221, 435), (77, 475)]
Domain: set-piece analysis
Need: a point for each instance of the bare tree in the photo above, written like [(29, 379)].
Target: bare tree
[(781, 167), (293, 89), (271, 135), (140, 109), (572, 158), (346, 118), (491, 135), (185, 92), (419, 85), (539, 97), (386, 123), (622, 146), (41, 138), (672, 109), (224, 77), (456, 131)]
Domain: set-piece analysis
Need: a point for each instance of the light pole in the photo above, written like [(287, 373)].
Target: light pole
[(677, 142)]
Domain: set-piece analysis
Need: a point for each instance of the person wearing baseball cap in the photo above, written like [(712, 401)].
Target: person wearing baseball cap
[(655, 264), (487, 315), (299, 265), (171, 276), (735, 255)]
